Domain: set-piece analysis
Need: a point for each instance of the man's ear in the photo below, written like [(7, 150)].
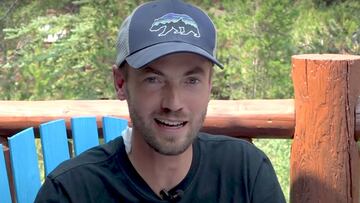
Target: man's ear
[(119, 82)]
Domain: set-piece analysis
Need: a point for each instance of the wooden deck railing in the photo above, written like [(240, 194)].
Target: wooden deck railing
[(324, 157), (243, 118), (237, 118)]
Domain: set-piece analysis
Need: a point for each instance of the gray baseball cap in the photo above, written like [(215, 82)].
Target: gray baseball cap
[(162, 27)]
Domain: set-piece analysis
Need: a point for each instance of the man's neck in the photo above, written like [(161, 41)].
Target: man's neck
[(159, 171)]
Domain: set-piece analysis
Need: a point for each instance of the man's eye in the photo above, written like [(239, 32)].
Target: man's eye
[(192, 81), (152, 80)]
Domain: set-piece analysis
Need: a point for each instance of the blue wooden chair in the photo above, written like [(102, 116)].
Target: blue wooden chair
[(54, 142)]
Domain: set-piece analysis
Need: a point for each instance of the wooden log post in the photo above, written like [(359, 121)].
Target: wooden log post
[(324, 154)]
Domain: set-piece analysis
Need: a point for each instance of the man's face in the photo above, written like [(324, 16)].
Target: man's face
[(168, 100)]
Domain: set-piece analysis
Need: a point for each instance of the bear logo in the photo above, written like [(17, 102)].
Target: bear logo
[(175, 23)]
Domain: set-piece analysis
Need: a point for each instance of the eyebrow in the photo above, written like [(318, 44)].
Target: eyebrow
[(148, 69), (193, 71)]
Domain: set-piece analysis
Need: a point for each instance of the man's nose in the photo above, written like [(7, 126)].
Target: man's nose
[(172, 99)]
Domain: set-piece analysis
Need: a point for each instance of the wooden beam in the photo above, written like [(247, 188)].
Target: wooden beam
[(324, 153), (238, 118), (245, 118)]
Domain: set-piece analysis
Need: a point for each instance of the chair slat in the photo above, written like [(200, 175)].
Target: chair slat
[(54, 144), (85, 134), (4, 181), (25, 166), (113, 127)]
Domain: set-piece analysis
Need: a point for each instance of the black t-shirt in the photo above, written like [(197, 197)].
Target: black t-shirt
[(223, 169)]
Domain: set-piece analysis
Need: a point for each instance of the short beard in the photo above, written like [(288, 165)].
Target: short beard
[(167, 147)]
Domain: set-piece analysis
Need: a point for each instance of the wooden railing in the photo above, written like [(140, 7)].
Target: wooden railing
[(237, 118), (324, 155)]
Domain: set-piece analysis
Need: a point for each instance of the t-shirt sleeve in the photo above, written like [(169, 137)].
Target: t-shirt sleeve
[(266, 187), (51, 192)]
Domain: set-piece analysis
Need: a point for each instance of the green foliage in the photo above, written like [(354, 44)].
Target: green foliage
[(255, 46), (255, 42), (278, 152), (328, 30), (63, 55)]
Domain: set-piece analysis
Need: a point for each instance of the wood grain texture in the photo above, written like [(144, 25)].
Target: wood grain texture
[(240, 118), (324, 153), (237, 118)]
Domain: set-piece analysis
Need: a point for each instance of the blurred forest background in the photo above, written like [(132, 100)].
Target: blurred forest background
[(52, 49)]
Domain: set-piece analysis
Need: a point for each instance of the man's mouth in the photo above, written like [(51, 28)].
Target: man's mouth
[(170, 124)]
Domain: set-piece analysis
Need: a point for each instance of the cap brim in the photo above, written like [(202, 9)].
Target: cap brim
[(147, 55)]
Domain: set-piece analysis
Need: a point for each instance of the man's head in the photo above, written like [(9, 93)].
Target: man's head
[(165, 56)]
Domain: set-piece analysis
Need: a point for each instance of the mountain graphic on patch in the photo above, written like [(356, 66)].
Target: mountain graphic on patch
[(175, 23)]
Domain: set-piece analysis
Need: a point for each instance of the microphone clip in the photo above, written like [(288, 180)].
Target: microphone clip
[(166, 195)]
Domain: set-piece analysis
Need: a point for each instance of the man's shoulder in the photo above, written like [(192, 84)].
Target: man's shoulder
[(219, 138), (90, 158), (226, 145), (223, 140)]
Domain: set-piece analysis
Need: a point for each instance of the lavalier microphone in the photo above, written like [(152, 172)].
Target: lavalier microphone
[(171, 197)]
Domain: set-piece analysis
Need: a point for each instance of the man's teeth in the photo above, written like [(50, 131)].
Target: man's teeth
[(170, 123)]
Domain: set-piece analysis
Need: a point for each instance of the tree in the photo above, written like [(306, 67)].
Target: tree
[(255, 41), (255, 45), (64, 53)]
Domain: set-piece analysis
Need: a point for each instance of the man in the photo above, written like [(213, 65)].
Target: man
[(164, 66)]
